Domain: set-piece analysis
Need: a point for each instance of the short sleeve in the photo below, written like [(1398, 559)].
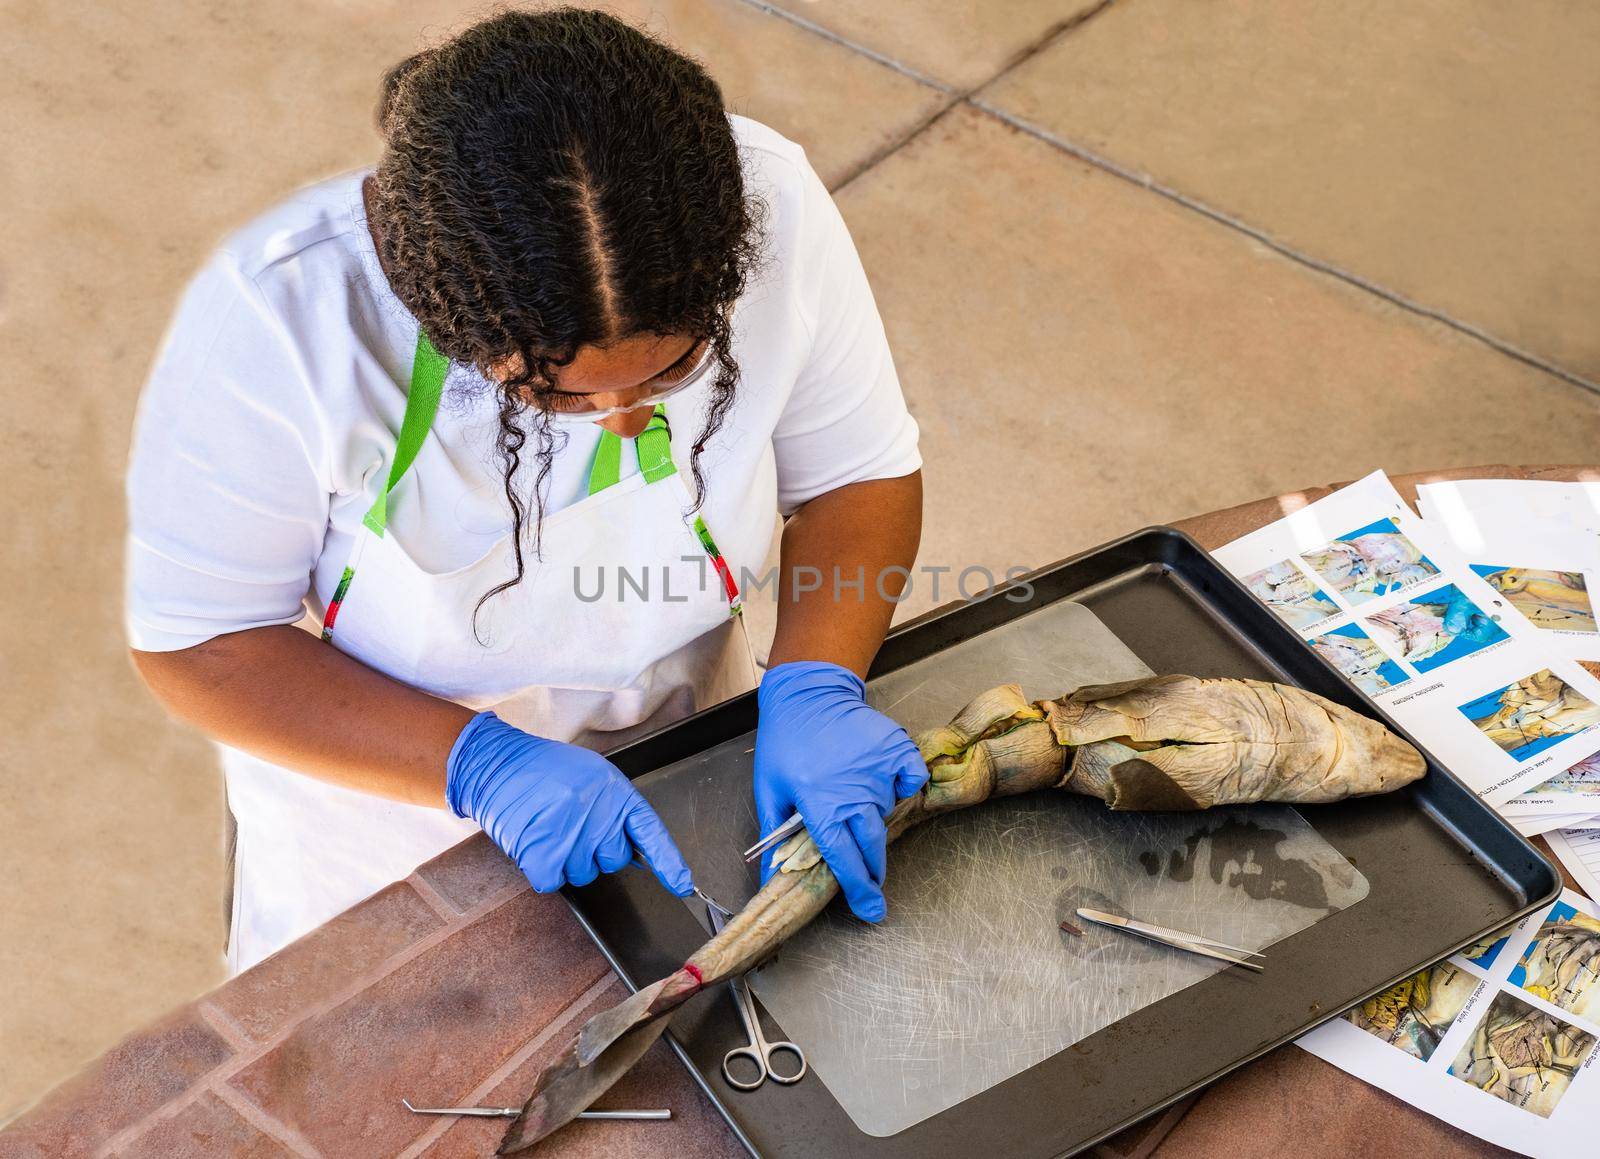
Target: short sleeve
[(846, 420), (228, 491)]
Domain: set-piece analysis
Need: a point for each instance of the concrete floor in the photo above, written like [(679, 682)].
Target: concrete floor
[(1137, 260)]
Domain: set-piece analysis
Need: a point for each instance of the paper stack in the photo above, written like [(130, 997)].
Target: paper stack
[(1538, 545), (1471, 627), (1502, 1039), (1474, 627)]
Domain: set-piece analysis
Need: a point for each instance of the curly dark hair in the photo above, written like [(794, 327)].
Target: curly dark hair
[(553, 180)]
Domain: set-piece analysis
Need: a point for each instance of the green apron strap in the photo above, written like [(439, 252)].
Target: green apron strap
[(607, 468), (653, 447), (428, 370)]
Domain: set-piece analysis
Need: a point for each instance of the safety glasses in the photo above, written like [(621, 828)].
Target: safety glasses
[(564, 414)]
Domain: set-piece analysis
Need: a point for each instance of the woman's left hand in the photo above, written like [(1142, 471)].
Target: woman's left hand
[(823, 752)]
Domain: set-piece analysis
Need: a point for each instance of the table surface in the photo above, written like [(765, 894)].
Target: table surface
[(459, 984)]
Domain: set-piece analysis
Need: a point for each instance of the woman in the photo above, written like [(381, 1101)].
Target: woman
[(577, 319)]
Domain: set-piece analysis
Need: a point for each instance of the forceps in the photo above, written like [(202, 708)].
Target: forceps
[(1193, 943), (782, 833), (759, 1051)]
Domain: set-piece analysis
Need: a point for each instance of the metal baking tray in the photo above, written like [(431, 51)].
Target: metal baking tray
[(1444, 870)]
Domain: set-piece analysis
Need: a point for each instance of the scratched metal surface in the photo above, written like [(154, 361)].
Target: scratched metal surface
[(1049, 652), (705, 800), (970, 981)]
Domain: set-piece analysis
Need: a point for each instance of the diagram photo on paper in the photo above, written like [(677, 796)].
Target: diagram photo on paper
[(1355, 654), (1581, 779), (1523, 1055), (1562, 964), (1485, 950), (1431, 630), (1528, 716), (1370, 561), (1553, 600), (1292, 595), (1413, 1015)]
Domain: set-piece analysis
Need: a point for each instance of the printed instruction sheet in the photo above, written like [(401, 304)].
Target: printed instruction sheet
[(1579, 851), (1391, 603), (1568, 800), (1571, 506), (1502, 1040), (1548, 570)]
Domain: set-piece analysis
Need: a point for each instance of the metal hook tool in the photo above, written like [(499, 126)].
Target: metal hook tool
[(513, 1112)]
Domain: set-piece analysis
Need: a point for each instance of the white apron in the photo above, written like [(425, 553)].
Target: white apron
[(593, 671)]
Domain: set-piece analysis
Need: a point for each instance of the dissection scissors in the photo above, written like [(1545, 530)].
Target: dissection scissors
[(759, 1051)]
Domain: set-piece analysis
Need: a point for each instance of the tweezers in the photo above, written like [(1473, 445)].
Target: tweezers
[(1178, 939), (782, 833)]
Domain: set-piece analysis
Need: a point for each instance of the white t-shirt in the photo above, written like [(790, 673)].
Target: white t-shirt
[(269, 421)]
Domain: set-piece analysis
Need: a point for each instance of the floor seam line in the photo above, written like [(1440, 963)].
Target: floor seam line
[(1394, 297), (971, 97), (882, 155), (957, 96), (1050, 39), (873, 54)]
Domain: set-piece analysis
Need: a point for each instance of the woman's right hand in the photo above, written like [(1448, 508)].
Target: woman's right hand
[(563, 813)]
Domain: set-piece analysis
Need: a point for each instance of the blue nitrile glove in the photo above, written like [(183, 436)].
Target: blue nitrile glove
[(1465, 621), (823, 751), (564, 814)]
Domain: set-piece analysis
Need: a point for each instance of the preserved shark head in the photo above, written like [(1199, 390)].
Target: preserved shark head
[(1181, 742)]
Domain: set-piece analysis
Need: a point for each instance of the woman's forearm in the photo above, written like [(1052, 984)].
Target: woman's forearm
[(837, 579), (281, 694)]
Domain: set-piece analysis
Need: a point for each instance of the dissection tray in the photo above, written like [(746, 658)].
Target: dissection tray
[(1439, 871)]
